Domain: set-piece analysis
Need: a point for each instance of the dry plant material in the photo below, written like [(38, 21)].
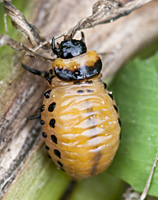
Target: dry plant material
[(6, 40), (30, 32), (130, 194), (21, 24), (103, 11)]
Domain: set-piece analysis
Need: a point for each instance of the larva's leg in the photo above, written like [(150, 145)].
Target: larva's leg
[(36, 72), (44, 74)]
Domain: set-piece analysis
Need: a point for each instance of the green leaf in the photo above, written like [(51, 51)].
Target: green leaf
[(136, 92), (103, 186)]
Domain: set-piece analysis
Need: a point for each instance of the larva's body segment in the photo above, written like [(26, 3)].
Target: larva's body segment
[(86, 127)]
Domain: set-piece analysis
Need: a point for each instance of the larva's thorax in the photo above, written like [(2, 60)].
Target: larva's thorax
[(80, 119), (82, 67)]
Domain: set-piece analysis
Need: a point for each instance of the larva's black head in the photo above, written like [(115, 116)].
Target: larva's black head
[(70, 48)]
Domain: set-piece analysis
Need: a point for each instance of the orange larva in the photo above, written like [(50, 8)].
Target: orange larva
[(79, 117)]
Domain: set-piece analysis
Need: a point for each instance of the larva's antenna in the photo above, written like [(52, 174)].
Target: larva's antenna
[(82, 37)]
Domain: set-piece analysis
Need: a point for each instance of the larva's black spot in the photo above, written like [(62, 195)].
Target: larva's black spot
[(57, 153), (54, 139), (61, 165), (42, 108), (52, 123), (89, 82), (119, 121), (51, 107), (46, 94), (44, 134), (110, 94), (47, 147), (42, 122), (116, 108), (49, 156), (89, 91), (80, 91), (120, 136), (105, 86), (62, 169), (51, 71)]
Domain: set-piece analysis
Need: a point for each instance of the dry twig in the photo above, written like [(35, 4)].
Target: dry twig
[(30, 32), (144, 194), (21, 24), (6, 40), (104, 11)]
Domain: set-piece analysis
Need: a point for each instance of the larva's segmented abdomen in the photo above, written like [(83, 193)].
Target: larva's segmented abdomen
[(81, 127)]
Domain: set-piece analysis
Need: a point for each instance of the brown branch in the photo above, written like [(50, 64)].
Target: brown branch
[(105, 11)]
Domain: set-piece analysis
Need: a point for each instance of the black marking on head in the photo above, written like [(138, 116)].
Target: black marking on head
[(79, 74), (89, 82), (110, 94), (69, 48), (47, 147), (54, 139), (52, 123), (61, 165), (105, 85), (44, 134), (116, 108), (57, 153), (119, 121), (42, 122), (80, 91), (46, 94), (42, 108), (51, 107), (89, 91)]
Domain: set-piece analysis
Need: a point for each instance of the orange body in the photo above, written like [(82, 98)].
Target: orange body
[(80, 121)]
